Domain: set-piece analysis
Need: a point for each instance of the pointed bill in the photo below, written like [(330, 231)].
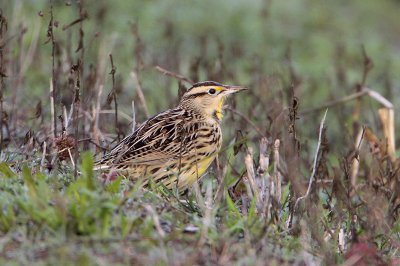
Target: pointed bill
[(234, 89)]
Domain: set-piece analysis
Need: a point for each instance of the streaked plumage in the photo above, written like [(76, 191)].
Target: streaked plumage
[(177, 146)]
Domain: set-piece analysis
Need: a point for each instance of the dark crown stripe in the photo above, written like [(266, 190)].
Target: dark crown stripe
[(206, 83), (191, 96)]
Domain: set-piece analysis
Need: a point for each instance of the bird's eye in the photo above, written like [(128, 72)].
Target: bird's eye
[(212, 91)]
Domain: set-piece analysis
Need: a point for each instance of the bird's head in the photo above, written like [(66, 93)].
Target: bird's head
[(208, 98)]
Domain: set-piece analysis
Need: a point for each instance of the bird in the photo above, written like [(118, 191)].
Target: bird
[(175, 147)]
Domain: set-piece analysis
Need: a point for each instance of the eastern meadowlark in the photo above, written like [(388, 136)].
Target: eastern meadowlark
[(177, 146)]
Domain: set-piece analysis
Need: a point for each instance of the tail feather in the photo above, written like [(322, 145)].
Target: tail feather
[(100, 167), (101, 164)]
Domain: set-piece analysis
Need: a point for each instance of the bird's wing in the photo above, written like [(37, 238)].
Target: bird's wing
[(159, 139)]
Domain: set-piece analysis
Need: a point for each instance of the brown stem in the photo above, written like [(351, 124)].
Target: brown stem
[(76, 68), (335, 102), (312, 177), (83, 15), (173, 74), (50, 34), (140, 92), (114, 94), (368, 65), (3, 29), (364, 91), (78, 20)]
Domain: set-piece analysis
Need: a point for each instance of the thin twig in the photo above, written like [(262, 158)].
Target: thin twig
[(98, 104), (50, 34), (277, 175), (207, 215), (175, 75), (133, 117), (3, 29), (362, 136), (76, 104), (140, 92), (83, 15), (156, 220), (76, 21), (52, 108), (311, 181), (68, 121), (81, 47), (114, 94), (199, 198), (43, 156), (335, 102), (379, 98), (221, 181), (96, 114), (247, 120), (368, 65), (265, 177), (71, 158), (364, 91), (356, 160), (65, 114)]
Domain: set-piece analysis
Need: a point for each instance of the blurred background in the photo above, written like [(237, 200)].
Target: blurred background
[(313, 48)]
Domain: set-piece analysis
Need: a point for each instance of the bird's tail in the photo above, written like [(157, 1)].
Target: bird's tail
[(102, 164), (100, 167)]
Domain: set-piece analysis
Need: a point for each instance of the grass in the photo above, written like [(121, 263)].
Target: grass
[(295, 56), (53, 218)]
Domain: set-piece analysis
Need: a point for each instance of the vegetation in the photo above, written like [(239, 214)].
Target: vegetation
[(309, 170)]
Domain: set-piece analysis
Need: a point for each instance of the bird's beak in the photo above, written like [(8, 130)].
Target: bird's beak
[(234, 89)]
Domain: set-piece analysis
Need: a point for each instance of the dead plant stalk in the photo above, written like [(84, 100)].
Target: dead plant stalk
[(50, 34), (364, 91), (175, 75), (311, 180), (3, 29), (114, 94), (251, 177), (140, 92), (277, 175)]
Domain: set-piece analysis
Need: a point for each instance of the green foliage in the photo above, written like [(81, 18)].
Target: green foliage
[(5, 170), (233, 219), (87, 170), (83, 207)]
